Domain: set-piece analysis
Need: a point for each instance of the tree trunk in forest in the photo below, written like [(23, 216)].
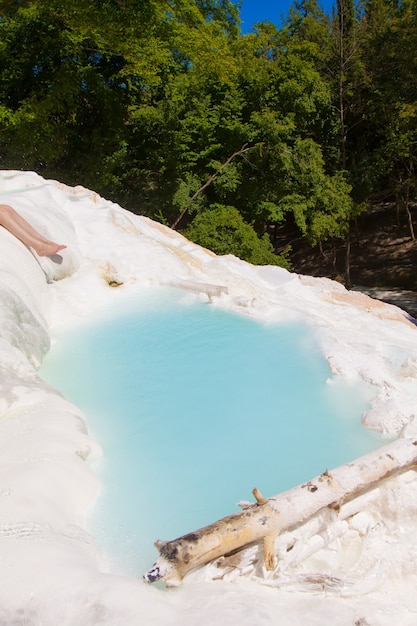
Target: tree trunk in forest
[(334, 260), (343, 128), (409, 216), (345, 17), (348, 283), (401, 200)]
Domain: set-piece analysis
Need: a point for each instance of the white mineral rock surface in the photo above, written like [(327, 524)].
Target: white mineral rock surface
[(355, 569)]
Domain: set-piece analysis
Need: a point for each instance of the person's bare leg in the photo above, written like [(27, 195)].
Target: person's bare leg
[(21, 229)]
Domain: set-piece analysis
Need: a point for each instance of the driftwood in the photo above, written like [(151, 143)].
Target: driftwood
[(268, 517)]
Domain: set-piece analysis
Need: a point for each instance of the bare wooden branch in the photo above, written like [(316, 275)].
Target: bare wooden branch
[(267, 518), (208, 182), (260, 499)]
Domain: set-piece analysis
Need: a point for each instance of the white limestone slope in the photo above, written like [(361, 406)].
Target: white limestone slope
[(356, 570)]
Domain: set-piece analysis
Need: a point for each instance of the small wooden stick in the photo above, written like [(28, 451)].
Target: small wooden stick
[(260, 499), (269, 551)]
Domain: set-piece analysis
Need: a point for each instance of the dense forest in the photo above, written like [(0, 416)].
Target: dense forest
[(168, 108)]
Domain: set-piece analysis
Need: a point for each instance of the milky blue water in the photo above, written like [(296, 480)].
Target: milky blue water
[(195, 406)]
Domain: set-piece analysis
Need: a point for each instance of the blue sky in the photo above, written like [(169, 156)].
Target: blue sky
[(272, 10)]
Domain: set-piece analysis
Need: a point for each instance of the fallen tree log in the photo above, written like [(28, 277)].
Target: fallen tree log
[(264, 520)]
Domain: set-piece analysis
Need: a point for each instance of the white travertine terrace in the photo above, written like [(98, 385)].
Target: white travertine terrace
[(357, 567)]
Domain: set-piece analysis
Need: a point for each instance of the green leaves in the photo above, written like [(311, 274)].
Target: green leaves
[(321, 204), (223, 230), (150, 103)]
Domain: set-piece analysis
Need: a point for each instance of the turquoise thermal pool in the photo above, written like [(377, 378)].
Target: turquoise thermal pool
[(193, 407)]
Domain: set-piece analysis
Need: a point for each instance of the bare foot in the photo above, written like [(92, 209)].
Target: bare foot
[(49, 248)]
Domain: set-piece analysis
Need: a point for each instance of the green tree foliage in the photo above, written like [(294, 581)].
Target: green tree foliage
[(223, 230), (321, 204), (151, 102), (80, 75), (392, 97), (58, 100)]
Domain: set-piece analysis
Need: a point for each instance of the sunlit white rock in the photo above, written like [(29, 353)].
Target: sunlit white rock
[(355, 571)]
